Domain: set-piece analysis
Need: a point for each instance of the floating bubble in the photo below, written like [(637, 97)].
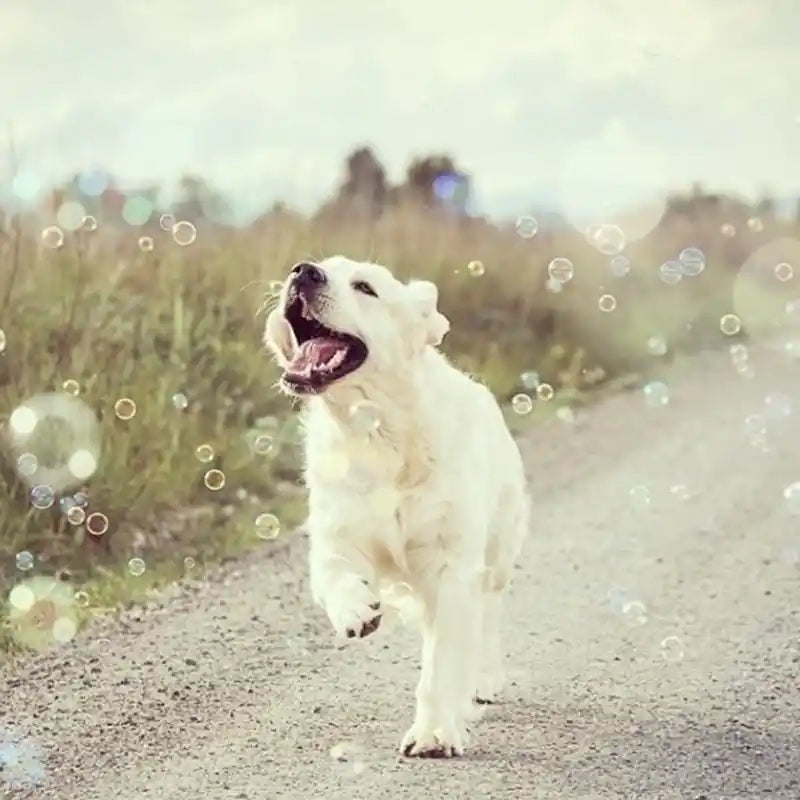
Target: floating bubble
[(42, 612), (544, 391), (27, 464), (82, 599), (214, 479), (635, 612), (167, 222), (137, 211), (71, 386), (365, 416), (530, 379), (476, 268), (42, 496), (672, 649), (76, 515), (656, 393), (640, 495), (692, 260), (608, 239), (53, 237), (527, 227), (70, 215), (657, 345), (263, 444), (728, 230), (146, 244), (204, 453), (561, 270), (136, 567), (521, 404), (784, 271), (620, 266), (24, 560), (180, 401), (755, 224), (189, 564), (184, 233), (730, 324), (268, 526), (96, 523), (125, 409), (89, 224), (607, 302), (739, 353), (671, 272)]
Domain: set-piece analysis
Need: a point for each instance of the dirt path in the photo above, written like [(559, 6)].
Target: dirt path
[(239, 690)]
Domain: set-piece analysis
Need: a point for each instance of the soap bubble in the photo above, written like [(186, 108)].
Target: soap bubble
[(180, 401), (24, 560), (53, 237), (692, 260), (656, 394), (671, 272), (55, 441), (214, 479), (608, 239), (184, 233), (657, 345), (544, 391), (167, 222), (136, 567), (561, 270), (476, 268), (521, 404), (268, 526), (607, 302), (42, 612), (527, 227), (730, 324), (620, 266)]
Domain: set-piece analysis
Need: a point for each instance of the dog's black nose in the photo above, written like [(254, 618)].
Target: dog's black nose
[(307, 276)]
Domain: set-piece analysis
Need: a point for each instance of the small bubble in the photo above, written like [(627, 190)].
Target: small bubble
[(656, 394), (730, 324), (24, 560), (640, 495), (42, 496), (672, 649), (268, 526), (783, 272), (791, 494), (71, 386), (53, 237), (365, 416), (657, 346), (204, 453), (180, 401), (608, 239), (89, 223), (189, 564), (530, 379), (167, 222), (527, 227), (214, 479), (635, 612), (755, 224), (184, 233), (82, 599), (146, 244), (561, 270), (607, 302), (728, 230), (692, 260), (136, 566), (96, 523), (27, 464), (620, 266), (476, 268), (739, 353), (521, 404), (125, 409), (671, 272), (262, 445), (76, 515), (544, 391)]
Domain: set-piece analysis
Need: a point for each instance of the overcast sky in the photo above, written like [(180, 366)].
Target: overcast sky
[(580, 100)]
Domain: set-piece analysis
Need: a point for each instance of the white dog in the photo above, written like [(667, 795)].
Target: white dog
[(414, 480)]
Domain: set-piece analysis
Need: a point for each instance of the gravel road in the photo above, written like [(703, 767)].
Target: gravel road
[(652, 637)]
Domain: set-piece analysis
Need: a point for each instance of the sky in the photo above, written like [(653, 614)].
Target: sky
[(578, 104)]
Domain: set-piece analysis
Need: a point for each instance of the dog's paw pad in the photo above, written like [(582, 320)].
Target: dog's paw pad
[(424, 742), (370, 626)]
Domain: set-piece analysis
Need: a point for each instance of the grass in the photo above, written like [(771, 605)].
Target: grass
[(120, 323)]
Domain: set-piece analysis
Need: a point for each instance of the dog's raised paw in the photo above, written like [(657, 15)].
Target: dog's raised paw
[(354, 611)]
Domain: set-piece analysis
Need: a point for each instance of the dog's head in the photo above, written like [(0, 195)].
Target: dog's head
[(341, 321)]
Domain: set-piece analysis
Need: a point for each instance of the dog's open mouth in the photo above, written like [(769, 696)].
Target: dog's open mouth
[(323, 355)]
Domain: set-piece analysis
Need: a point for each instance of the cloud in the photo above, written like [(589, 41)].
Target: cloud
[(245, 92)]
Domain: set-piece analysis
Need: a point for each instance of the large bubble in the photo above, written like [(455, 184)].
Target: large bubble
[(766, 293), (54, 440)]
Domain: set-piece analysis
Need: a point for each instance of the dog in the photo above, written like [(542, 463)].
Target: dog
[(414, 481)]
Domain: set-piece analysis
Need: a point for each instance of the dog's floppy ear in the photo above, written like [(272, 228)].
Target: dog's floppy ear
[(425, 295), (278, 337)]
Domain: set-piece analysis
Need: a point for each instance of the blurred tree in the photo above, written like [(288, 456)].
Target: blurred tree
[(364, 191), (436, 181), (765, 206), (197, 200)]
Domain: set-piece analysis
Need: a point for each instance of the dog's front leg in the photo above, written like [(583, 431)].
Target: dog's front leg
[(451, 631)]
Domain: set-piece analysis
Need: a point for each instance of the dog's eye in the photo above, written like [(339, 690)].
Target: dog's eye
[(364, 288)]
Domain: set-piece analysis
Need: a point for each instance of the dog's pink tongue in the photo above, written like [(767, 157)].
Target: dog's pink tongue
[(316, 353)]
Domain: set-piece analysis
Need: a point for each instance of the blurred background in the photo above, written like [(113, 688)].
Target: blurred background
[(595, 188)]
